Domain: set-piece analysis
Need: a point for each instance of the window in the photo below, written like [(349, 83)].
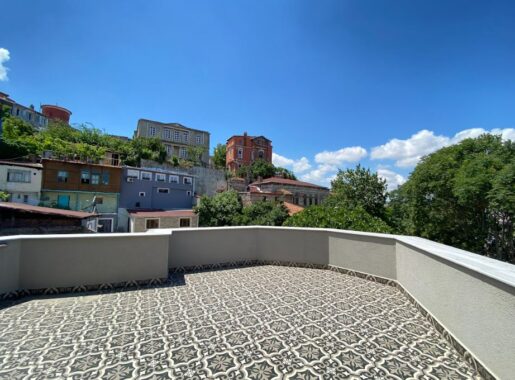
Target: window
[(18, 176), (133, 173), (163, 190), (152, 223), (186, 137), (183, 153), (105, 178), (240, 153), (62, 176), (169, 149), (187, 180), (95, 178), (141, 193), (151, 131), (160, 177), (63, 201), (261, 154), (198, 139), (176, 135), (167, 134), (99, 200), (174, 179), (25, 198), (146, 176), (184, 222), (84, 176)]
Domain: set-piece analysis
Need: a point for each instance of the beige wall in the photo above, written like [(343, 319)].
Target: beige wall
[(139, 224), (479, 311), (9, 266)]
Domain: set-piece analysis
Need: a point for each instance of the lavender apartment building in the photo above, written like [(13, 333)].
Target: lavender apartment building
[(152, 189)]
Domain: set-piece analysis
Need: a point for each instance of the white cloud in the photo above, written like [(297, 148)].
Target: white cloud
[(298, 166), (350, 154), (392, 178), (4, 57), (323, 174), (407, 153)]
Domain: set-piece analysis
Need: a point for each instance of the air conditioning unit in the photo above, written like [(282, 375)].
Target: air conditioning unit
[(130, 179)]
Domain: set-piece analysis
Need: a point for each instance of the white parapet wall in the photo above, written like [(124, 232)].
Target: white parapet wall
[(471, 296)]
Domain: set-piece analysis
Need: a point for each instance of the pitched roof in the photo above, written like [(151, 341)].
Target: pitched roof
[(285, 181), (24, 164), (161, 213), (292, 208), (23, 207)]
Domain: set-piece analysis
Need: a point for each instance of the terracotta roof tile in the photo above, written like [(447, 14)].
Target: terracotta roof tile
[(284, 181), (293, 209), (23, 207)]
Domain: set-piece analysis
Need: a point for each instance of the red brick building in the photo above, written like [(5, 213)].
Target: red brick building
[(56, 113), (244, 150)]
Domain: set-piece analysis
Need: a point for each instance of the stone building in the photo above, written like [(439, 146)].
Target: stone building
[(244, 150), (296, 192), (176, 137)]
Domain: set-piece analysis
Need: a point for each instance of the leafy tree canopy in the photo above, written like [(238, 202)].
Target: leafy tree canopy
[(264, 213), (340, 217), (462, 195), (219, 156)]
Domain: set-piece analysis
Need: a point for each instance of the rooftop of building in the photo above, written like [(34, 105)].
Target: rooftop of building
[(252, 303), (55, 106), (262, 322), (250, 137), (23, 164), (293, 208), (286, 181), (79, 162), (26, 208)]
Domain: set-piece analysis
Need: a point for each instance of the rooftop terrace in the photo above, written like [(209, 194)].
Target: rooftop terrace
[(252, 303)]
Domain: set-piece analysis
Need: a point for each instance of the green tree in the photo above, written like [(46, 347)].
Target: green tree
[(219, 155), (14, 128), (264, 213), (223, 209), (462, 195), (4, 197), (359, 187), (340, 217), (195, 154), (259, 168)]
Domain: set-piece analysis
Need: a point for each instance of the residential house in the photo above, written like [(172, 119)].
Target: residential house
[(177, 138), (141, 221), (153, 189), (26, 219), (83, 186), (297, 192), (22, 181), (37, 119), (244, 150)]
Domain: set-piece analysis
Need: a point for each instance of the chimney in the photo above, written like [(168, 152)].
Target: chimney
[(245, 133)]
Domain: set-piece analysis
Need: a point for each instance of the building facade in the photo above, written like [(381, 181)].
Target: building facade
[(244, 150), (22, 181), (28, 114), (299, 193), (82, 186), (176, 137), (142, 221), (56, 113), (153, 189)]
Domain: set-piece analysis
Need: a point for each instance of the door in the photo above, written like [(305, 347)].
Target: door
[(63, 201), (105, 225)]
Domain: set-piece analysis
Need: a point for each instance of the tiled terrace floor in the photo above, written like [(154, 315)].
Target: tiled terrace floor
[(265, 322)]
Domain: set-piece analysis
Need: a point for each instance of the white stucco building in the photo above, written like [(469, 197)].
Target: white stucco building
[(22, 181)]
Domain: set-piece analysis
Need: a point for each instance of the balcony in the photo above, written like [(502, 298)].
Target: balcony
[(252, 302)]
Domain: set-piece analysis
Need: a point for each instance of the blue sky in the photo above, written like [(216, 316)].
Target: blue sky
[(331, 83)]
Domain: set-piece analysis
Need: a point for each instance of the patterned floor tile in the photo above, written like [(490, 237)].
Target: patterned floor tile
[(259, 322)]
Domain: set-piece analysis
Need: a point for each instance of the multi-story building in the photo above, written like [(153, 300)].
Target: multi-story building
[(22, 181), (146, 189), (297, 192), (244, 150), (55, 112), (176, 137), (141, 221), (83, 186), (28, 114)]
